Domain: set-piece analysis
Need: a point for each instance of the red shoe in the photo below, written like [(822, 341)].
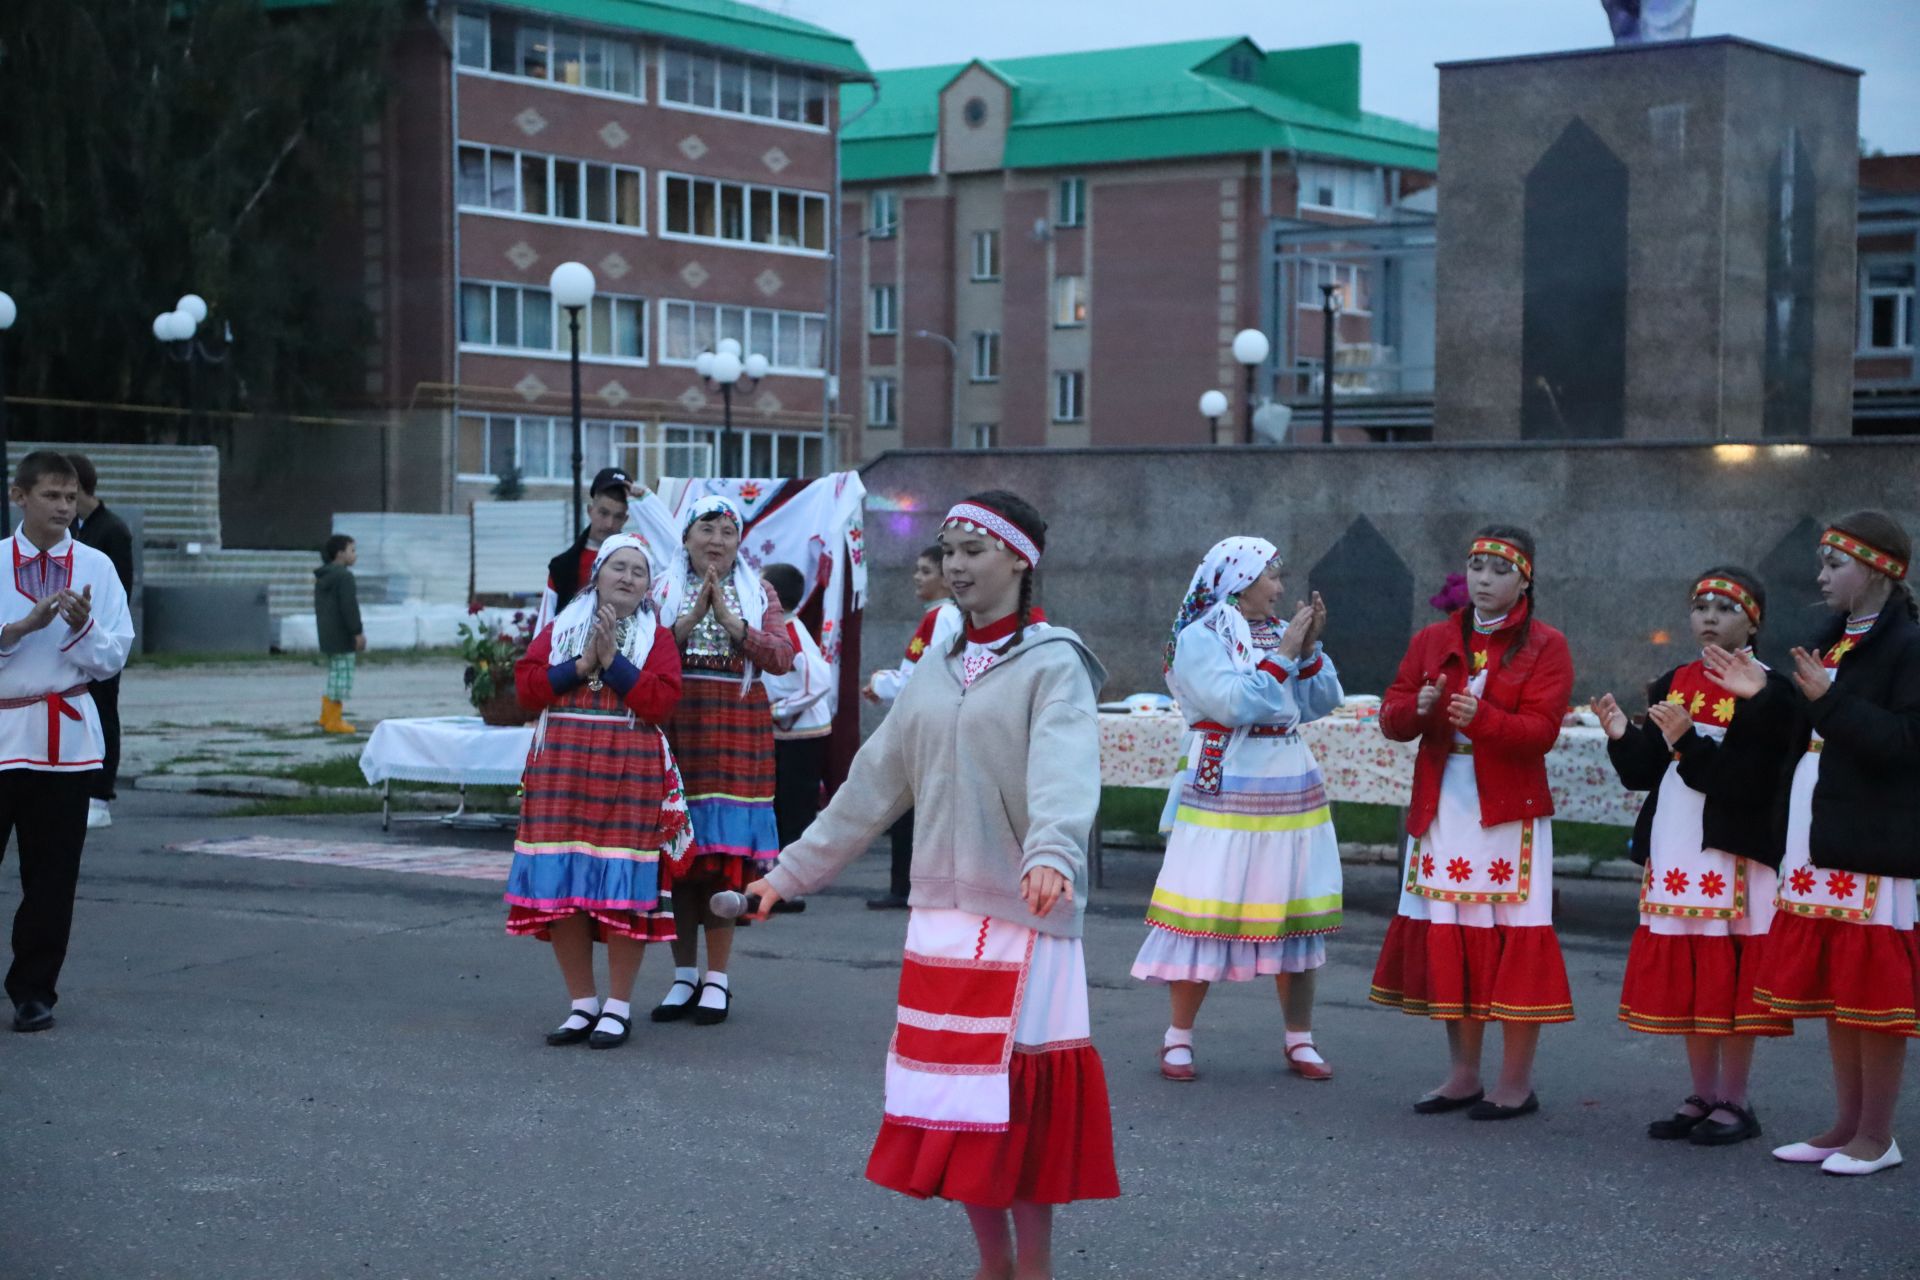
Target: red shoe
[(1307, 1070), (1181, 1072)]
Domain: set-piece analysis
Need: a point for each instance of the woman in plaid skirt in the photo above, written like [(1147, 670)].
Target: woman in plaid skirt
[(604, 813)]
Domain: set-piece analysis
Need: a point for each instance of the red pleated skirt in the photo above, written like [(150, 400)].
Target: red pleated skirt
[(1859, 975), (1495, 973), (1695, 985), (1057, 1148)]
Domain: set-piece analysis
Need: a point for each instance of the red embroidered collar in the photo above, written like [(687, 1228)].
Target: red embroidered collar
[(994, 632)]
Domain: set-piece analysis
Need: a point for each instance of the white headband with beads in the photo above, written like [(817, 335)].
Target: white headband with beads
[(975, 518)]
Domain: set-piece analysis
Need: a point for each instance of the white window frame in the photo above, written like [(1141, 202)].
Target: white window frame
[(810, 86), (1903, 297), (1339, 181), (984, 435), (722, 320), (562, 348), (889, 227), (883, 309), (883, 408), (558, 431), (986, 255), (1311, 273), (747, 192), (986, 355), (1071, 308), (1069, 395), (516, 159), (606, 42), (1070, 202)]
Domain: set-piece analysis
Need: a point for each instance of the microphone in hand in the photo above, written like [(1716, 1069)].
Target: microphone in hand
[(729, 904)]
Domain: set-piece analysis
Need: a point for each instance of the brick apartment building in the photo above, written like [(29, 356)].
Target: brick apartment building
[(685, 151), (1886, 369), (1059, 250)]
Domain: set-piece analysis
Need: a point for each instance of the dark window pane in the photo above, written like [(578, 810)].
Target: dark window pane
[(566, 188), (533, 185), (476, 313), (599, 193)]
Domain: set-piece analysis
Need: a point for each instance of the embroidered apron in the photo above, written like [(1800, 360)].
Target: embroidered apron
[(1683, 879), (961, 987), (1458, 860)]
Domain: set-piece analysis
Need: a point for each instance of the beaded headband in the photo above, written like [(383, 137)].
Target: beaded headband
[(1867, 554), (1728, 589), (975, 518), (1506, 551)]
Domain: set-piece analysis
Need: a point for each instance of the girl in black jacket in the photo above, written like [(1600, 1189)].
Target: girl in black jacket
[(1844, 947), (1717, 767)]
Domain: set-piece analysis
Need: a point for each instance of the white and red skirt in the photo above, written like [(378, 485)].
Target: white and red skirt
[(995, 1092), (1474, 938), (1843, 945)]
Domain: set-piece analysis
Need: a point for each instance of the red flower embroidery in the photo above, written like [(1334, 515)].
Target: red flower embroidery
[(750, 492), (1801, 880), (1840, 883), (1459, 869), (1713, 884), (1675, 881), (1501, 871), (1426, 866)]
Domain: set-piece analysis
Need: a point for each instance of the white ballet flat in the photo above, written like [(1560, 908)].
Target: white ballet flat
[(1803, 1153), (1847, 1165)]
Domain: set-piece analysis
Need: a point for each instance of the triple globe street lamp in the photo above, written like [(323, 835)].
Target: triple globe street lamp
[(1250, 350), (723, 369), (176, 329)]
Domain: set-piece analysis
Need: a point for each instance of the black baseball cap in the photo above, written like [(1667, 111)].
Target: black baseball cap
[(609, 480)]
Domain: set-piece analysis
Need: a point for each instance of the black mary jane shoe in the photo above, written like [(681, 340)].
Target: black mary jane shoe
[(1714, 1133), (705, 1017), (664, 1012), (599, 1039), (565, 1035), (1678, 1125), (1485, 1110), (32, 1015), (1440, 1102)]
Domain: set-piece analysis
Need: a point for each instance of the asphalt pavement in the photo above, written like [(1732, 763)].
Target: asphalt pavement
[(286, 1069)]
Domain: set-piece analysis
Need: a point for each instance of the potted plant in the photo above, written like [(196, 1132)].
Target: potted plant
[(491, 648)]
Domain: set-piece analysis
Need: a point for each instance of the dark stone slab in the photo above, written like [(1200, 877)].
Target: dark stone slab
[(1369, 593)]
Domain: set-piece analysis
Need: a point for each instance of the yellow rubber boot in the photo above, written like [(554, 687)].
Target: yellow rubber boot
[(332, 720)]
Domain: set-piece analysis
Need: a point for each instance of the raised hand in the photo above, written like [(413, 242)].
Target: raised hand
[(1461, 709), (1319, 619), (1810, 675), (1738, 673), (1299, 633), (1671, 720), (1428, 695), (76, 607), (1612, 719)]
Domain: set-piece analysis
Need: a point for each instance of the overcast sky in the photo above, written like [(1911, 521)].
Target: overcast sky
[(1400, 40)]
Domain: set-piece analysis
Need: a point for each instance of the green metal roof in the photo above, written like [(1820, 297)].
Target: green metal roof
[(1148, 102)]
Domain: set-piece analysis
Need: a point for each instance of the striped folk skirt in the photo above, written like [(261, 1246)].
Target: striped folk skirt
[(723, 742)]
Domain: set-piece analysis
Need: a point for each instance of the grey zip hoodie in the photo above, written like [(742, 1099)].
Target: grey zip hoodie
[(1002, 777)]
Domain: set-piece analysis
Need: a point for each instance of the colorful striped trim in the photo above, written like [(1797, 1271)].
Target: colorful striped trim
[(1746, 1024), (1728, 589), (1231, 930), (1255, 803), (1866, 553), (562, 848), (1452, 1012), (979, 519), (1319, 817), (1505, 551)]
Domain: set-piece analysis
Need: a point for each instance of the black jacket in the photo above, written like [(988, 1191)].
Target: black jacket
[(563, 571), (108, 533), (1866, 807), (1746, 776)]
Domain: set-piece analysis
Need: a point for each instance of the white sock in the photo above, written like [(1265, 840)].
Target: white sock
[(584, 1012), (618, 1008), (713, 999), (1309, 1056), (1179, 1045), (678, 995)]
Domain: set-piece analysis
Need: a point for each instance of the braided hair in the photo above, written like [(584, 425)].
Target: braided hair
[(1026, 519), (1878, 529), (1522, 539)]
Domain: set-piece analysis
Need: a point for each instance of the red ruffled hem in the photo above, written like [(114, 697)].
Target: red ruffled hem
[(1696, 985), (1859, 975), (1453, 972), (529, 922), (709, 873), (1058, 1147)]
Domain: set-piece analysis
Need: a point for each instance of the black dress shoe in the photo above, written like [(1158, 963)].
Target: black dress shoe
[(607, 1039), (891, 902), (1484, 1110), (1713, 1133), (32, 1015), (1440, 1102), (705, 1017), (564, 1034), (1679, 1125), (664, 1012)]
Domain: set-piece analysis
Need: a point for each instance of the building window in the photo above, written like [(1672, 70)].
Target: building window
[(883, 215), (880, 403), (986, 255), (1069, 396), (509, 317), (792, 341), (985, 435), (532, 49), (882, 309), (986, 356), (1340, 188), (1070, 203), (1355, 283), (737, 213), (1241, 66), (735, 87), (1069, 301), (1886, 309), (541, 186), (540, 448)]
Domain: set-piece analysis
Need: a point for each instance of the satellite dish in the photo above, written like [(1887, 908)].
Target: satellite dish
[(1272, 422)]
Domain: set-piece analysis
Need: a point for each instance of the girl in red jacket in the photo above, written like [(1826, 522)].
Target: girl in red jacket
[(1484, 693)]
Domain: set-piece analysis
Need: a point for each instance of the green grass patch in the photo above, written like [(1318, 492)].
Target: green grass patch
[(335, 771)]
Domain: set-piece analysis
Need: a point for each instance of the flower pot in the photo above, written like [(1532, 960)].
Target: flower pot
[(502, 708)]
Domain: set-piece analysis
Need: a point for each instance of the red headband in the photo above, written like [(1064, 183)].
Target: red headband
[(1731, 590), (1866, 553), (1506, 551)]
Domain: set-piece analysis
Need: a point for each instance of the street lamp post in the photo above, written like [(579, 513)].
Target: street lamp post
[(7, 313), (1329, 302), (179, 326), (953, 405), (723, 369), (1250, 348), (572, 287), (1213, 407)]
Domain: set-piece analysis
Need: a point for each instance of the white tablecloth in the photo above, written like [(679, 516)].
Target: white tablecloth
[(457, 749), (1362, 766)]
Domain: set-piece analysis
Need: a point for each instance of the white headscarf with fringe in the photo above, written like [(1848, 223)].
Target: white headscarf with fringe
[(1233, 565), (670, 593), (575, 623)]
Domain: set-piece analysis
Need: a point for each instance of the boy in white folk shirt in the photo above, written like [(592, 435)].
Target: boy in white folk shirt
[(64, 625)]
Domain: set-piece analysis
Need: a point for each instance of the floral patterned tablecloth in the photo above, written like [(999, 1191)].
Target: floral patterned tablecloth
[(1361, 765)]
